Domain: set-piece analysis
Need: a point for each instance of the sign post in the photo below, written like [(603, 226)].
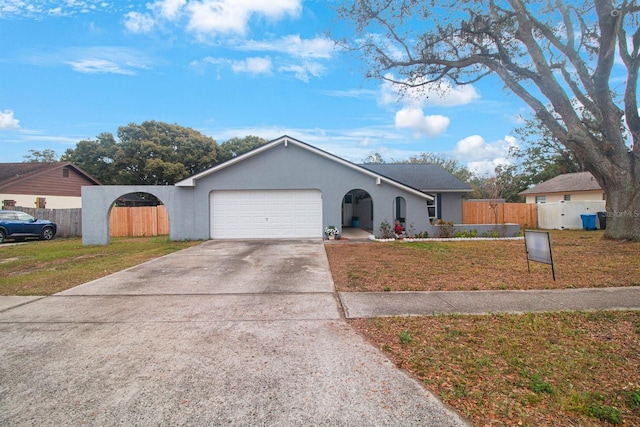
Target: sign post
[(538, 247)]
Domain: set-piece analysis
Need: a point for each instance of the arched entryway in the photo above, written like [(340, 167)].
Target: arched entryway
[(138, 214), (357, 210)]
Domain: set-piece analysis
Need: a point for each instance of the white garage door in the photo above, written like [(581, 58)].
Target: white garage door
[(258, 214)]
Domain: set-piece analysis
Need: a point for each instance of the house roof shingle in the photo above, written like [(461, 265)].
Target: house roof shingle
[(568, 182), (428, 177)]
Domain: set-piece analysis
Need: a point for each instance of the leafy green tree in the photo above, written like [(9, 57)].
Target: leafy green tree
[(542, 157), (236, 146), (160, 153), (97, 158), (374, 159), (548, 53), (153, 153), (45, 156)]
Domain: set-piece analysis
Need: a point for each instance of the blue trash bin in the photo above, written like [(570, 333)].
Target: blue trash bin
[(588, 221)]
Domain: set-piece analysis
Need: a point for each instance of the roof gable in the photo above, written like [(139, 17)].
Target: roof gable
[(565, 183), (12, 173), (423, 176), (285, 140)]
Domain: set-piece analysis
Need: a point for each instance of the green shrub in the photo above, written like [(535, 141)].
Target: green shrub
[(445, 228), (467, 233), (491, 233), (386, 231)]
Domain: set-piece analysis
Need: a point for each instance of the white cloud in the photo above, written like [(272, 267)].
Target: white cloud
[(482, 157), (253, 66), (304, 71), (439, 94), (294, 45), (168, 9), (211, 17), (7, 121), (41, 9), (414, 119), (232, 16), (138, 22), (98, 66), (445, 95), (99, 60)]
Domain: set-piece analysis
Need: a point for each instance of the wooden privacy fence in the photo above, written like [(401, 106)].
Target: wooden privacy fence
[(524, 214), (138, 221), (69, 221)]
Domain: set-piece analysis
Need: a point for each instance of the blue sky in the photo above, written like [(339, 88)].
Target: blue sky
[(72, 69)]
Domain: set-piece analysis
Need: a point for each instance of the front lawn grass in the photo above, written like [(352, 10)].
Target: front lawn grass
[(582, 260), (47, 267), (537, 369)]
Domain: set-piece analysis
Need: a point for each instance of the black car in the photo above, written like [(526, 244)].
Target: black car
[(19, 225)]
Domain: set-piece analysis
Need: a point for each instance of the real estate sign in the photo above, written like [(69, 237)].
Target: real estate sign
[(538, 247)]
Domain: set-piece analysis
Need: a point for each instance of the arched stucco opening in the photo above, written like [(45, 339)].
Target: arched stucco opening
[(138, 214), (357, 209), (98, 201)]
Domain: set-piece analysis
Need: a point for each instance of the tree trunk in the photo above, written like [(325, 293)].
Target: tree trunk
[(623, 210)]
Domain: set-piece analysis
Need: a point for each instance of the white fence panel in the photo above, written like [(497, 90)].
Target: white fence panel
[(566, 215)]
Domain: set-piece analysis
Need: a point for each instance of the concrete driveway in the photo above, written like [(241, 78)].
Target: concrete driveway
[(233, 333)]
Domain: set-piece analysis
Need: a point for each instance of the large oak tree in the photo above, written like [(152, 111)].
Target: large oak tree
[(152, 152), (558, 57)]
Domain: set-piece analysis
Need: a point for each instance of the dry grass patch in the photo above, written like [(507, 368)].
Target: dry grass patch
[(543, 369), (47, 267), (582, 260)]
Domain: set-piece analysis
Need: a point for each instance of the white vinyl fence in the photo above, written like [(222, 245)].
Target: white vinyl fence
[(566, 215)]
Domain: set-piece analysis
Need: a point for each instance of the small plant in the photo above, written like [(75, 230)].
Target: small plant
[(634, 399), (411, 231), (538, 385), (445, 229), (467, 233), (405, 337), (491, 233), (386, 231), (460, 391), (421, 235), (387, 289), (331, 231), (605, 413)]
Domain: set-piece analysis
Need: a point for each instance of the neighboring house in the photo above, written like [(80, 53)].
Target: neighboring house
[(432, 179), (569, 187), (54, 185), (282, 189)]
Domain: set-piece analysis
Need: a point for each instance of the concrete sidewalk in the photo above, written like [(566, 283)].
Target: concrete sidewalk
[(379, 304), (382, 304)]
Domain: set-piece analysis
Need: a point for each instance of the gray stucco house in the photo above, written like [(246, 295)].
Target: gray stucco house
[(285, 189)]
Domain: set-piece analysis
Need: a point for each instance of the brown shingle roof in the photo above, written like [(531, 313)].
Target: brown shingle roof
[(568, 182)]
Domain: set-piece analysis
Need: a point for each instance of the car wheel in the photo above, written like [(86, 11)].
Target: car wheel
[(2, 236), (47, 233)]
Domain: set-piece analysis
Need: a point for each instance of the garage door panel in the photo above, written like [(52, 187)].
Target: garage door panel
[(266, 214)]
